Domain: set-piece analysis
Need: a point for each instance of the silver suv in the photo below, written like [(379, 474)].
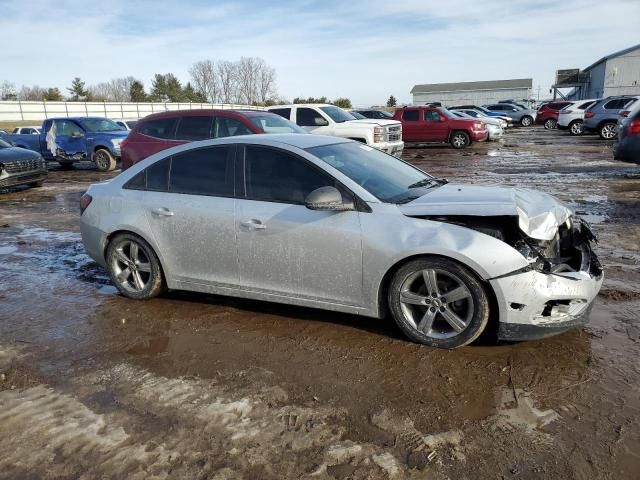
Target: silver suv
[(602, 116), (331, 223), (524, 116)]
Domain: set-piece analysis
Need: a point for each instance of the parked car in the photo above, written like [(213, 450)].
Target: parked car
[(379, 114), (524, 116), (484, 117), (70, 140), (489, 113), (2, 131), (602, 116), (513, 102), (571, 117), (628, 147), (324, 119), (160, 131), (127, 124), (439, 125), (548, 113), (494, 127), (19, 166), (331, 223), (27, 130)]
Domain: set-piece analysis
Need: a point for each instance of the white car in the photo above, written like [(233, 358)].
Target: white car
[(33, 130), (325, 119), (127, 123), (494, 126), (571, 117)]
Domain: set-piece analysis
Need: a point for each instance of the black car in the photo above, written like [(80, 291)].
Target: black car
[(19, 166), (628, 147), (378, 114)]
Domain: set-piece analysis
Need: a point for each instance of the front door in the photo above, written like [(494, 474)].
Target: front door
[(436, 127), (70, 138), (287, 249), (312, 121), (191, 211)]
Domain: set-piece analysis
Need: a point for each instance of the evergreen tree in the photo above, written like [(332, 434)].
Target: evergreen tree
[(136, 92), (78, 91)]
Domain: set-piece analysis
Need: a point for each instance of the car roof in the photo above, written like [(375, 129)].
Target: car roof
[(299, 140), (206, 112), (302, 105)]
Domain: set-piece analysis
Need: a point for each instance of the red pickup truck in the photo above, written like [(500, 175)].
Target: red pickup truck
[(438, 125)]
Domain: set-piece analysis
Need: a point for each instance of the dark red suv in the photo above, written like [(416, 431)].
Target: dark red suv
[(438, 125), (548, 114), (160, 131)]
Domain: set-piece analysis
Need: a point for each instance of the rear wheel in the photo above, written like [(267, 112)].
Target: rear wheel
[(438, 302), (576, 127), (134, 267), (608, 130), (526, 121), (104, 160), (550, 124), (460, 140)]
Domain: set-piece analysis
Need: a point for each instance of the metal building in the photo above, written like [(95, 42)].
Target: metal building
[(615, 74), (476, 93)]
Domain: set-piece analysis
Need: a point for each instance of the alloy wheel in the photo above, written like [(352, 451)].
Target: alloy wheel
[(550, 124), (608, 131), (576, 128), (131, 266), (436, 303), (526, 121), (459, 140)]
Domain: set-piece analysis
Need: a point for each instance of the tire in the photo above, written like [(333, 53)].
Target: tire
[(130, 273), (66, 164), (444, 323), (460, 139), (104, 160), (550, 124), (576, 128), (526, 121), (608, 130), (36, 184)]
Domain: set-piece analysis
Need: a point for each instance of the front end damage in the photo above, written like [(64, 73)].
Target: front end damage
[(555, 292)]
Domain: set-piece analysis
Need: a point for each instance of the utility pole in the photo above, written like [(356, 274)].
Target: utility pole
[(538, 93)]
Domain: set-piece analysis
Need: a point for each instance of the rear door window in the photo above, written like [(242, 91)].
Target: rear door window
[(283, 112), (205, 171), (411, 115), (585, 105), (160, 128), (230, 127), (197, 127)]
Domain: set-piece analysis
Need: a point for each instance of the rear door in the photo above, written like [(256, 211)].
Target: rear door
[(286, 249), (412, 125), (190, 205)]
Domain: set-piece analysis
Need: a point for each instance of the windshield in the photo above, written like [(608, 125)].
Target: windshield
[(447, 113), (4, 144), (386, 177), (358, 116), (100, 125), (337, 114), (276, 124)]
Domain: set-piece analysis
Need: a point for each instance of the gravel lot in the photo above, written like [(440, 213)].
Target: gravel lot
[(191, 386)]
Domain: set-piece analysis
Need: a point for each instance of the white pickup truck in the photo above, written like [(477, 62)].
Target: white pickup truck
[(27, 130), (324, 119)]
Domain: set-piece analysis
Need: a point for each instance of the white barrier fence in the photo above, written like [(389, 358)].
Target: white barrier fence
[(21, 111)]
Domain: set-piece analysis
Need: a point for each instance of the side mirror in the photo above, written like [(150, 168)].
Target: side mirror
[(77, 135), (320, 122), (327, 198)]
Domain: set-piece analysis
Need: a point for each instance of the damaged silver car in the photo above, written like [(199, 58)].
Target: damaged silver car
[(334, 224)]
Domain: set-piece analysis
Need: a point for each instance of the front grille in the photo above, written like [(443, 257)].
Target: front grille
[(394, 137), (20, 166), (395, 129)]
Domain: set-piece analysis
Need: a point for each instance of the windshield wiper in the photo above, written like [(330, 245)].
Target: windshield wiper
[(429, 182)]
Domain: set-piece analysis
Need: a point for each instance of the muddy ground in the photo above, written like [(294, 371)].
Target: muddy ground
[(190, 386)]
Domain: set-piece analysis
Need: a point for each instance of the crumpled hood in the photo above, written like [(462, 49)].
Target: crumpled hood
[(539, 214), (16, 154)]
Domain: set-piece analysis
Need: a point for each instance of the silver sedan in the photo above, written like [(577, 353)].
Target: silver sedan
[(331, 223)]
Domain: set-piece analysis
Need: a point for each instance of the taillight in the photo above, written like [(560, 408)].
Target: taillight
[(588, 114), (85, 201), (566, 112), (634, 127), (624, 113)]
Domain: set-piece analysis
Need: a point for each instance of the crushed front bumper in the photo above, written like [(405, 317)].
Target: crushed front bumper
[(22, 178)]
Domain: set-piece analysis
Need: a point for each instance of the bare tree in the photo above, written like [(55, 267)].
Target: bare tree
[(34, 94), (267, 83), (227, 73), (205, 80), (115, 90), (8, 91)]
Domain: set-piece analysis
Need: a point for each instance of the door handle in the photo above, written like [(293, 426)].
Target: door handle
[(253, 224), (162, 212)]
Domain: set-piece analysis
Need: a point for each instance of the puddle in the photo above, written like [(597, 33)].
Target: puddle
[(108, 290), (515, 407), (7, 250), (150, 346)]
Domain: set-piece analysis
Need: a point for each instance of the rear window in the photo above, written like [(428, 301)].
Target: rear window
[(196, 127), (586, 105), (283, 112), (411, 115), (276, 124), (616, 104), (160, 128)]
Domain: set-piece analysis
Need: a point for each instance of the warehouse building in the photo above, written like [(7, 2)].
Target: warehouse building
[(615, 74), (477, 93)]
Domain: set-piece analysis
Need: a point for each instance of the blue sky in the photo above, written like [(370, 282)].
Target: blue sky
[(364, 50)]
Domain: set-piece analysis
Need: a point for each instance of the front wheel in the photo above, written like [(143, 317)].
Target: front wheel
[(608, 131), (550, 124), (104, 160), (134, 267), (438, 302), (576, 128), (460, 140), (526, 121)]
